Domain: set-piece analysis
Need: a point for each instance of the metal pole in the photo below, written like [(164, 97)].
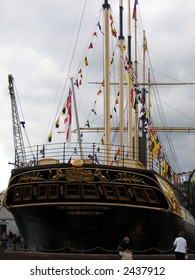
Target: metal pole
[(106, 8), (77, 120)]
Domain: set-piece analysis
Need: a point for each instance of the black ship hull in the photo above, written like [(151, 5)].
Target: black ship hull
[(90, 208), (54, 229)]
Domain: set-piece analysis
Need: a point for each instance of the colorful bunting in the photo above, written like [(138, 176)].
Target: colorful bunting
[(86, 61), (99, 91), (95, 34), (57, 124), (49, 138), (64, 110), (100, 28), (113, 30), (90, 46), (94, 111), (114, 33), (76, 83), (112, 59), (87, 123), (117, 153)]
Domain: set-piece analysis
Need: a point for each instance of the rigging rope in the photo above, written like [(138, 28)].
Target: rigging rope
[(159, 116), (71, 60)]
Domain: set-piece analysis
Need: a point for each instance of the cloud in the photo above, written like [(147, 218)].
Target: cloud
[(37, 40)]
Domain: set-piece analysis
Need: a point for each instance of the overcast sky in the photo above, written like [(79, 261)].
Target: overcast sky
[(34, 36)]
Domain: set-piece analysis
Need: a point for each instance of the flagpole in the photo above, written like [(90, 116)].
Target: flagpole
[(143, 143), (130, 86), (136, 135), (106, 8), (77, 120), (149, 119), (121, 80)]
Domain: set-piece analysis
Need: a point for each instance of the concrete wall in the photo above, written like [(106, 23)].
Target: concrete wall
[(7, 222)]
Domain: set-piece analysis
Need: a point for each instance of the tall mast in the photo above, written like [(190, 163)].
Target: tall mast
[(121, 79), (142, 142), (130, 85), (106, 8), (136, 136), (144, 58)]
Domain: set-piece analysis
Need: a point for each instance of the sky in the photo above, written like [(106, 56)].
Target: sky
[(34, 39)]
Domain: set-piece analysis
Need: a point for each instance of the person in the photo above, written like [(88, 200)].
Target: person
[(125, 250), (10, 239), (180, 245), (4, 239)]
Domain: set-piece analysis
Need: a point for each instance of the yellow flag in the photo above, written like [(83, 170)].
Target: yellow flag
[(49, 138)]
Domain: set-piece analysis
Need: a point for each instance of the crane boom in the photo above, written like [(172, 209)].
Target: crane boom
[(20, 156)]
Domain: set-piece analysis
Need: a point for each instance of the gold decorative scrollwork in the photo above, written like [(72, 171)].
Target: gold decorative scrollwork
[(129, 178), (78, 174), (77, 162), (31, 177), (174, 204), (59, 174), (99, 175)]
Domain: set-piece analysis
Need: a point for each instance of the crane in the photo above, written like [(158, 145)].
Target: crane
[(20, 155)]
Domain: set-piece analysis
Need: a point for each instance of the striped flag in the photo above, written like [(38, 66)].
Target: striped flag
[(68, 117)]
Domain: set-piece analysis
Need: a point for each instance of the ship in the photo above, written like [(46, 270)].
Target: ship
[(86, 196)]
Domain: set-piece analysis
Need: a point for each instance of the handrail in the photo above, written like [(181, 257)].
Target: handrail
[(94, 153)]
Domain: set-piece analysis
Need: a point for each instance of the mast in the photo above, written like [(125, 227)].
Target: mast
[(136, 135), (142, 138), (130, 85), (106, 8), (121, 79), (144, 58), (149, 117), (77, 120), (20, 156)]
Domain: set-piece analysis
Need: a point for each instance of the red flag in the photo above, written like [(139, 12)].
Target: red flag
[(98, 93), (159, 151), (117, 153), (135, 9), (90, 46), (68, 117)]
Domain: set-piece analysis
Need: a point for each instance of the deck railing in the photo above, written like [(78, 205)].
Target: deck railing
[(95, 153)]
